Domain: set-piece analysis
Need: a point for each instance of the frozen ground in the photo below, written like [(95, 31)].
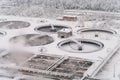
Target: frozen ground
[(111, 71), (112, 68)]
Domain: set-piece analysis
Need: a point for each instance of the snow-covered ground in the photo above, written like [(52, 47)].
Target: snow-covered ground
[(110, 70)]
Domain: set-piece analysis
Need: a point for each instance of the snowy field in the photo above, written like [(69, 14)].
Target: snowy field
[(111, 42)]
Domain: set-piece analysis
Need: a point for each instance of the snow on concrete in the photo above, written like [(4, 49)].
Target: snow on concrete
[(109, 44)]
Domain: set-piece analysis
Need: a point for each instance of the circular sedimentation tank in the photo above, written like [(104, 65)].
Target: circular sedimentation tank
[(97, 31), (14, 24), (50, 28), (32, 40), (80, 45)]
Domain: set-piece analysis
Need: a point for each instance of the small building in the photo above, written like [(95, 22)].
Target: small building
[(65, 33), (68, 18)]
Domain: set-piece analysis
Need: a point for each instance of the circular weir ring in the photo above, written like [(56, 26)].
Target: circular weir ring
[(109, 31), (32, 40), (49, 28), (69, 45), (14, 24)]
